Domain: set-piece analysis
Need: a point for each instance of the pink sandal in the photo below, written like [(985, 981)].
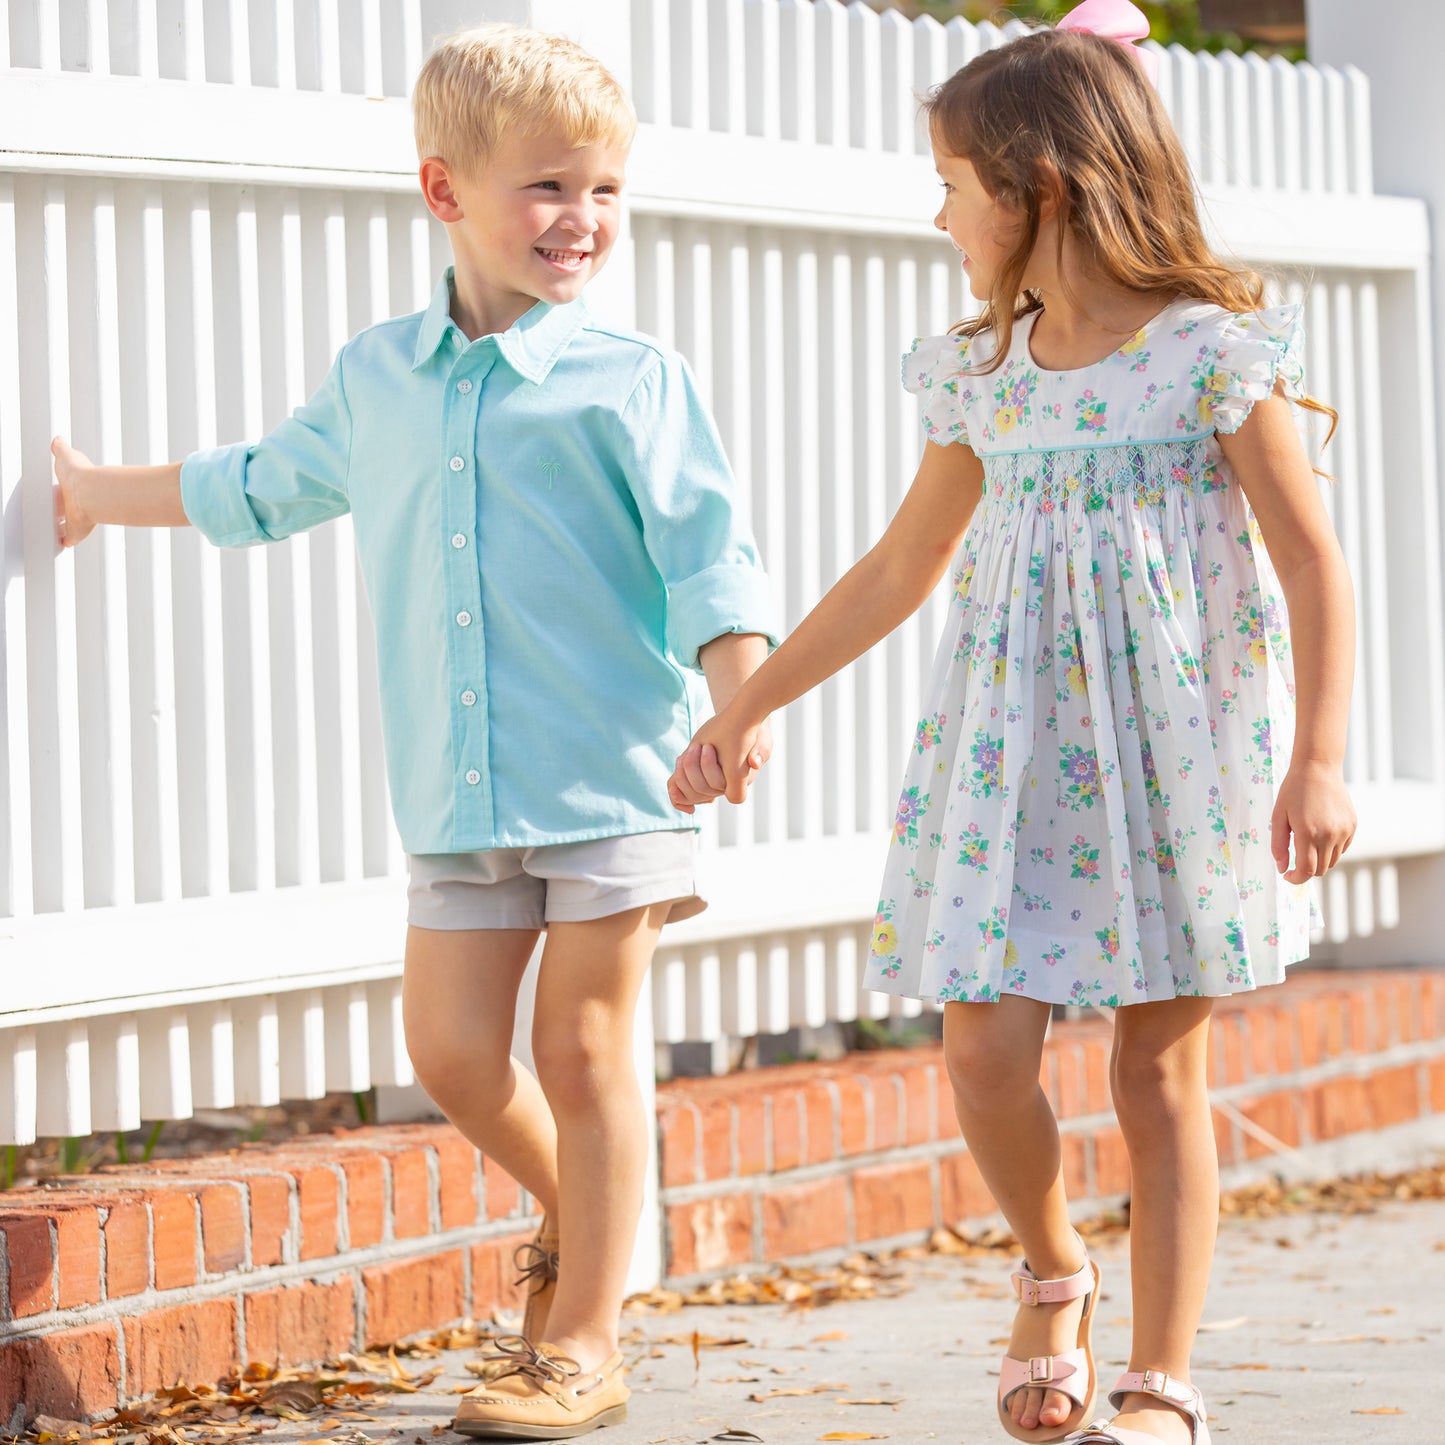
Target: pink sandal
[(1070, 1372), (1184, 1398)]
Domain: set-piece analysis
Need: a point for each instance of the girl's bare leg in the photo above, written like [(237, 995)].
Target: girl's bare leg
[(459, 1003), (993, 1052), (1161, 1098), (582, 1041)]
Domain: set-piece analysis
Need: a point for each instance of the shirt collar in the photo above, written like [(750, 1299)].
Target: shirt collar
[(530, 346)]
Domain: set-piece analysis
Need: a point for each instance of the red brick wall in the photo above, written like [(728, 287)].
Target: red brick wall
[(116, 1283), (804, 1158)]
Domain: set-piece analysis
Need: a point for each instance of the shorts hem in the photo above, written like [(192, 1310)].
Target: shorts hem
[(675, 888), (454, 920)]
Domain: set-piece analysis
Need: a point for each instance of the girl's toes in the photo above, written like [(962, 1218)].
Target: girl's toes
[(1055, 1409)]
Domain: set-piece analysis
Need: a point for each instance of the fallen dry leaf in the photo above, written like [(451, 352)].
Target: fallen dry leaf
[(1380, 1410), (299, 1395), (762, 1396), (869, 1402), (850, 1435), (831, 1335)]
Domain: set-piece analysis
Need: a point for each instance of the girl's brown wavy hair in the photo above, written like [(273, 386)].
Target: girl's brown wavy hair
[(1077, 106)]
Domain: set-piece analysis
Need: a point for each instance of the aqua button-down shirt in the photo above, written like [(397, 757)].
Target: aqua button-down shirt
[(548, 532)]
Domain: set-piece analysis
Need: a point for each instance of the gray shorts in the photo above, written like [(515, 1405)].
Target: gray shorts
[(554, 883)]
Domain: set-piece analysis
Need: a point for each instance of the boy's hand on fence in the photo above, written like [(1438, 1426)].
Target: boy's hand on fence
[(702, 775), (1314, 809), (72, 524)]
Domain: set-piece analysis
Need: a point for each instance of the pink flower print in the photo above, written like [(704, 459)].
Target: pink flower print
[(1180, 475), (930, 731), (1084, 860), (1089, 413), (973, 851), (1108, 941)]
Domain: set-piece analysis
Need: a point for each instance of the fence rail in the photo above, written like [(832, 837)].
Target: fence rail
[(200, 884)]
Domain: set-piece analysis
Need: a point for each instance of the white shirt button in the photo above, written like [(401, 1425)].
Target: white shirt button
[(459, 540), (464, 386), (473, 777), (464, 619), (469, 698), (456, 464), (456, 337)]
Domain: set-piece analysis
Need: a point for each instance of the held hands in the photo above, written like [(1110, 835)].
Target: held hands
[(719, 762), (72, 524), (1314, 810)]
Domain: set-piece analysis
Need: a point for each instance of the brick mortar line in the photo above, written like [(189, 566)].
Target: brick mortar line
[(1420, 1051), (325, 1270)]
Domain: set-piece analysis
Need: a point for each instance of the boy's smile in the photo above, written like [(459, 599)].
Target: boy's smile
[(535, 223)]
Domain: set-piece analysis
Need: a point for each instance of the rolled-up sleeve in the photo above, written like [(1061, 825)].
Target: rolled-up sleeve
[(293, 479), (687, 498)]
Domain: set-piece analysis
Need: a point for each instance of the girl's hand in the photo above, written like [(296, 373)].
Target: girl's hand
[(1314, 809), (72, 524), (720, 761)]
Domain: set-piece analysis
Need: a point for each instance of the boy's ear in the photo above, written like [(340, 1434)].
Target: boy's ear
[(437, 190)]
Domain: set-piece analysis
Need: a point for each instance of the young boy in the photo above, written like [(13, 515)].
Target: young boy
[(547, 529)]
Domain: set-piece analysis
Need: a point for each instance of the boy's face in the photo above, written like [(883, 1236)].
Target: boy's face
[(537, 221)]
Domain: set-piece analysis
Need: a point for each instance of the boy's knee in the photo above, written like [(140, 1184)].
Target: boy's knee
[(579, 1066)]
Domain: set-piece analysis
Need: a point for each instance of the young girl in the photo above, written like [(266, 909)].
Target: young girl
[(1106, 782)]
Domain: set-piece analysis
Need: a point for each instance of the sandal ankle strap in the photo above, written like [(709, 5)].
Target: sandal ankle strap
[(1162, 1386), (1031, 1290)]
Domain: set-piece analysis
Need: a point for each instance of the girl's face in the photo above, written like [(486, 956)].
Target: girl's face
[(982, 228)]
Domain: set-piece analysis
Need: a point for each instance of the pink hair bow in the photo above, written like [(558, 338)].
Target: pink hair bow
[(1115, 20)]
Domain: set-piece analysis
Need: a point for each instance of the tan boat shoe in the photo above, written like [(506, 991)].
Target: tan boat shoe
[(537, 1262), (542, 1395)]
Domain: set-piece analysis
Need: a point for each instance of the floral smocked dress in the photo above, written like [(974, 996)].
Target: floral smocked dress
[(1085, 815)]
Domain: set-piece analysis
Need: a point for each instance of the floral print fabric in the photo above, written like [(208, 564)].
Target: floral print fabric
[(1085, 815)]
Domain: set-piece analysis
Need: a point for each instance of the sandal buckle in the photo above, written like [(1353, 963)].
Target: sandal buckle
[(1156, 1382), (1028, 1289), (1041, 1369)]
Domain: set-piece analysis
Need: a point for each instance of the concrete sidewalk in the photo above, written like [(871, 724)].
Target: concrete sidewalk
[(1314, 1322)]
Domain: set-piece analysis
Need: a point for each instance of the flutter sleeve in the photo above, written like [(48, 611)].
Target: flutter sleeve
[(931, 369), (1257, 350)]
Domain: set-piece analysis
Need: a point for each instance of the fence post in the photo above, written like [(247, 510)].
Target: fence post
[(1397, 44)]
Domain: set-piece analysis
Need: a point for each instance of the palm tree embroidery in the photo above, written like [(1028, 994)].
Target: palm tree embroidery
[(551, 468)]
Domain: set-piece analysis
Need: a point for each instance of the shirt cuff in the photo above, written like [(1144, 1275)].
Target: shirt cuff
[(731, 597), (213, 494)]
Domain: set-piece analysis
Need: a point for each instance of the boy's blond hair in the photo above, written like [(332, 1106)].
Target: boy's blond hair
[(479, 86)]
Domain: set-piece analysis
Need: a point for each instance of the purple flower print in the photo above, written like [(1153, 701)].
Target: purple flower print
[(1080, 769)]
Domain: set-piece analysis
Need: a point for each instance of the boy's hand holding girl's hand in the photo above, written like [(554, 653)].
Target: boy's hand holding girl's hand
[(1313, 808), (719, 762)]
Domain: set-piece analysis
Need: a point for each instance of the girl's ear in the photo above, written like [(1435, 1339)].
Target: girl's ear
[(438, 192), (1051, 190)]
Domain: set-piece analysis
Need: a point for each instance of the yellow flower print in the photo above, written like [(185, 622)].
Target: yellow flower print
[(885, 940), (1005, 419), (1010, 954), (1077, 683), (1136, 344)]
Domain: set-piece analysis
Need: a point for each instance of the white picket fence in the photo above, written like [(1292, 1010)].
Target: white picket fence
[(200, 890)]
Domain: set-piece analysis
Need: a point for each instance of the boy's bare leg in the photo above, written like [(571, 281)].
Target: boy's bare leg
[(459, 1003), (1158, 1074), (582, 1041), (993, 1051)]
